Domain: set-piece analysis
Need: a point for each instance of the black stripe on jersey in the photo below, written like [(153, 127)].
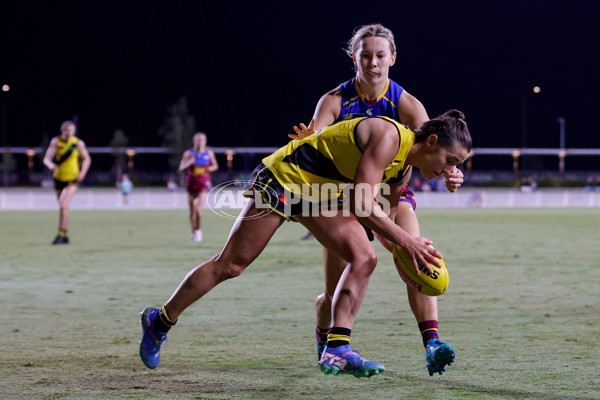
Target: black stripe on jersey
[(310, 160), (397, 178)]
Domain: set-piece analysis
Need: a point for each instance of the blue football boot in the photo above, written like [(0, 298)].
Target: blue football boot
[(342, 360), (151, 339), (320, 348), (437, 355)]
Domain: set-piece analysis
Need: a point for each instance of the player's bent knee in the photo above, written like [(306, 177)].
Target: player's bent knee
[(232, 271), (365, 262)]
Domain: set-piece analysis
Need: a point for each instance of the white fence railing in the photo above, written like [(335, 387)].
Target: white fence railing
[(142, 198)]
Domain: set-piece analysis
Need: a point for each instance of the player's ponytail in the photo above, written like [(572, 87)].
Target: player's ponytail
[(450, 127)]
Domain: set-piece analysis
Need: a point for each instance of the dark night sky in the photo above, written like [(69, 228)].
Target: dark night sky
[(252, 71)]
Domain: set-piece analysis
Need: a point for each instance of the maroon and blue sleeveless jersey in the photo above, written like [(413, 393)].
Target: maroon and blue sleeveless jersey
[(354, 104), (386, 104), (202, 159)]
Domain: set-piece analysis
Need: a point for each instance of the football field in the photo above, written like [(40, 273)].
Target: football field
[(522, 311)]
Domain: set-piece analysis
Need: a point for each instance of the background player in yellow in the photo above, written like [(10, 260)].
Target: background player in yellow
[(371, 92), (62, 158)]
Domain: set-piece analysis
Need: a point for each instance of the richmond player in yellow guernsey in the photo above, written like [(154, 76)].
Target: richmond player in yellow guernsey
[(62, 158), (306, 168), (358, 154)]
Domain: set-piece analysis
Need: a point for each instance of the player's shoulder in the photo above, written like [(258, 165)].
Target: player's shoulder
[(335, 92), (381, 126)]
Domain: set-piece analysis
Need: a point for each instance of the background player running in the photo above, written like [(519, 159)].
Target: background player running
[(199, 163), (62, 158)]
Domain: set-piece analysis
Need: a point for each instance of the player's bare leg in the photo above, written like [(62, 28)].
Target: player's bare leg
[(346, 238), (64, 198), (425, 308), (333, 268), (196, 216), (247, 239)]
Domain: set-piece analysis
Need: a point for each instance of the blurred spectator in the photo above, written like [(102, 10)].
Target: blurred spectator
[(476, 199), (417, 185), (172, 185), (125, 185), (592, 184), (528, 184)]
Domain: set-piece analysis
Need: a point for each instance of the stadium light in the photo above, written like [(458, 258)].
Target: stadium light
[(5, 88), (536, 90)]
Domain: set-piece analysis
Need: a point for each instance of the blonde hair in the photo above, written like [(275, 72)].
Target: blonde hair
[(66, 124), (372, 30)]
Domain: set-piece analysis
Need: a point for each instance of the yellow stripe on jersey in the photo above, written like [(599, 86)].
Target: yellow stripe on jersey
[(351, 100), (68, 169), (330, 157), (389, 101), (379, 96)]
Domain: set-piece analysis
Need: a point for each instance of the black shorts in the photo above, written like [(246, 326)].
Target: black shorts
[(274, 196), (60, 185)]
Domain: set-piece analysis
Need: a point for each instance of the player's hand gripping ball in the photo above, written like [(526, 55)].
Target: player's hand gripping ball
[(431, 284)]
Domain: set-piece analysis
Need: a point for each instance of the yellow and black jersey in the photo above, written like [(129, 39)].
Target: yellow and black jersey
[(331, 156), (67, 159)]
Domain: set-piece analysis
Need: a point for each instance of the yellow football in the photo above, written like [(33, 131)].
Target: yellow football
[(430, 284)]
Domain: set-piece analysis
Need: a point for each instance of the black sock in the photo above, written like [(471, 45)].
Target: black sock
[(163, 323), (338, 336)]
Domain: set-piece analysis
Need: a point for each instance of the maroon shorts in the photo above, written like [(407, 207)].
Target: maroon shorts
[(197, 184), (408, 196)]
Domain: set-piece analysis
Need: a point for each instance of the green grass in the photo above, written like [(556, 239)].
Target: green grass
[(522, 311)]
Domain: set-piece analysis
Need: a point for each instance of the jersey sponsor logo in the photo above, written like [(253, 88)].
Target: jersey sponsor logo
[(352, 116), (369, 112)]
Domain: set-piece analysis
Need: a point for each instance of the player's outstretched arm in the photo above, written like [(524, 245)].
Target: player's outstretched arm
[(379, 143)]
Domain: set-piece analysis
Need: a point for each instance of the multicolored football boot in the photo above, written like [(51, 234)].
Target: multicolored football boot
[(320, 348), (151, 339), (342, 360), (437, 355)]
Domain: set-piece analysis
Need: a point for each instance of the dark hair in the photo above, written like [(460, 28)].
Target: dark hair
[(450, 127)]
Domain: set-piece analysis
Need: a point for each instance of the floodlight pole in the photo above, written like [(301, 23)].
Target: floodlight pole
[(5, 90), (562, 152), (561, 122)]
